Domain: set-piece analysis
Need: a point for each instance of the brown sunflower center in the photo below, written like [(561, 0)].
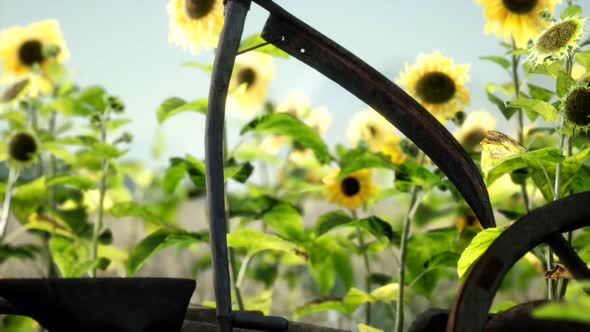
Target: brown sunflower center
[(22, 147), (472, 139), (246, 76), (350, 186), (31, 52), (435, 87), (197, 9), (577, 106), (557, 37), (520, 6)]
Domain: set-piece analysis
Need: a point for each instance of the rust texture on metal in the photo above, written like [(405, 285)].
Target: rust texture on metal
[(470, 310), (316, 50)]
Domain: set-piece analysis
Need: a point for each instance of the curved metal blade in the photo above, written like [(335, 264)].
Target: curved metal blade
[(332, 60)]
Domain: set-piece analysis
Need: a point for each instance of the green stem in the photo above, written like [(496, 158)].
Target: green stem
[(367, 263), (414, 203), (12, 177), (102, 189), (231, 252)]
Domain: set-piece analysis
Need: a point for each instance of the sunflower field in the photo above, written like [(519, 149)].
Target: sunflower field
[(335, 220)]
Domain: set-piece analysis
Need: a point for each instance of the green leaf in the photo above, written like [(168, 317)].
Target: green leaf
[(106, 151), (250, 206), (136, 210), (22, 252), (564, 84), (70, 256), (411, 174), (256, 39), (531, 159), (583, 58), (158, 240), (386, 293), (285, 124), (569, 173), (534, 106), (286, 221), (343, 267), (480, 243), (540, 93), (12, 323), (28, 197), (239, 172), (243, 238), (175, 105), (172, 177), (202, 66), (575, 307), (90, 100), (571, 11), (500, 103), (498, 60), (361, 158), (367, 328), (75, 181), (335, 219), (331, 220)]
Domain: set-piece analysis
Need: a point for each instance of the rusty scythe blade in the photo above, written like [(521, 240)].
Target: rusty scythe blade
[(470, 311), (332, 60)]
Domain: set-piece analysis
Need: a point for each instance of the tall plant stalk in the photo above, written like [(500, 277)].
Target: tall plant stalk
[(414, 203), (367, 263), (12, 177), (102, 189)]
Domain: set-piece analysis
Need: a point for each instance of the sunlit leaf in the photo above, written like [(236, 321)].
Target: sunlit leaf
[(410, 174), (76, 181), (571, 11), (504, 63), (175, 105), (255, 40), (286, 221), (564, 84), (285, 124), (134, 209), (534, 106), (158, 240), (242, 238), (480, 243), (361, 158)]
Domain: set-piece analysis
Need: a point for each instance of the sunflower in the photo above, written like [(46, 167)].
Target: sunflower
[(319, 119), (438, 84), (353, 191), (24, 48), (23, 149), (467, 219), (250, 81), (296, 104), (195, 23), (557, 41), (370, 127), (474, 129), (393, 149), (576, 107), (519, 19)]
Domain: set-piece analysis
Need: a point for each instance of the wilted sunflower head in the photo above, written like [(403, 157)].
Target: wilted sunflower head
[(22, 149), (249, 82), (496, 147), (370, 127), (576, 107), (352, 191), (195, 24), (438, 84), (517, 19), (24, 48), (474, 130), (557, 41)]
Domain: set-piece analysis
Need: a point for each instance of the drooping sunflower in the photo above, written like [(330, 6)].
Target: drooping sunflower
[(520, 19), (370, 127), (195, 24), (249, 82), (393, 149), (438, 84), (557, 41), (576, 107), (23, 149), (352, 191), (24, 48), (474, 129)]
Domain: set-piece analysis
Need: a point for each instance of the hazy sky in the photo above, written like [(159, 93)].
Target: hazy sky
[(122, 44)]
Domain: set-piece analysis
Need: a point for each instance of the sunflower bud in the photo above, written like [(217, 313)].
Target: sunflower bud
[(576, 106), (23, 147)]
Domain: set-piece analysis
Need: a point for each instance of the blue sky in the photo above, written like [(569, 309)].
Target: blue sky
[(123, 46)]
